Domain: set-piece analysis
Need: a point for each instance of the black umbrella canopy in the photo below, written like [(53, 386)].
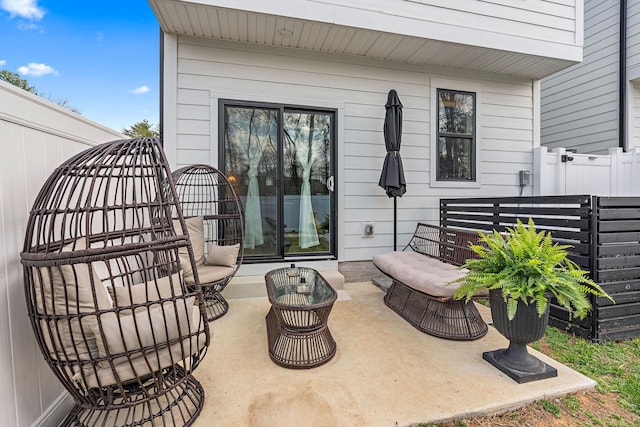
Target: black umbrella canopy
[(392, 177)]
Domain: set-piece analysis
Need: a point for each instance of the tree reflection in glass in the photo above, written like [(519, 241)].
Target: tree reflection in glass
[(456, 133), (251, 136)]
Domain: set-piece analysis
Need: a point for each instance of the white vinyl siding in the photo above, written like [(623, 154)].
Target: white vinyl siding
[(546, 28), (209, 70), (634, 138), (633, 37), (579, 106)]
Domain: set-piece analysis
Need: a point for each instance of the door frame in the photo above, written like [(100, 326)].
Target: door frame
[(333, 172)]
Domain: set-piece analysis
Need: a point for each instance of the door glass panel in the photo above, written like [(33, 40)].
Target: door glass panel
[(306, 169), (251, 164)]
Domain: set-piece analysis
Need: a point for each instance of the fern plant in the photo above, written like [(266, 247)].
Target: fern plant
[(528, 266)]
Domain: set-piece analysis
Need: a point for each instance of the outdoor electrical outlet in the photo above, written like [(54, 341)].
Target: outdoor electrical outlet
[(525, 178), (368, 229)]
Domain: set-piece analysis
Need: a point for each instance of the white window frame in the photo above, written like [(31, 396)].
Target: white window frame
[(462, 86)]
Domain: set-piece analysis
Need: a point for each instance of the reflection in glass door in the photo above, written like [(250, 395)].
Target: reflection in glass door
[(279, 160), (307, 200)]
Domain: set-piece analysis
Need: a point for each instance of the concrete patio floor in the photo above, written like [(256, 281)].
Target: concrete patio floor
[(384, 373)]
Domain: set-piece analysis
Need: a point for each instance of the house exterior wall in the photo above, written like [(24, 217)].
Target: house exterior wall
[(208, 70), (538, 27), (579, 105), (36, 136), (634, 138)]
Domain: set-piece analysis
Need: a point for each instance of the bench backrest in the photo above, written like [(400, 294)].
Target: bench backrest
[(446, 244)]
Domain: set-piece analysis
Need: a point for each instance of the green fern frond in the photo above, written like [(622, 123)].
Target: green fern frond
[(527, 265)]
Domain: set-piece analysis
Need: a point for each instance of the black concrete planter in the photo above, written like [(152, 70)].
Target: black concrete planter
[(526, 327)]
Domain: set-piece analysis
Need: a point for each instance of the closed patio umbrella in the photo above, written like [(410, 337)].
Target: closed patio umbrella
[(392, 177)]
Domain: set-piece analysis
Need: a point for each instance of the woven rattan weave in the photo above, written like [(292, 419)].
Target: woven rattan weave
[(206, 192), (105, 292), (297, 330), (435, 315)]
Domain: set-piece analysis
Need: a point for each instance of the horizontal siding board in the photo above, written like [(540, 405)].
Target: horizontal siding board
[(194, 112)]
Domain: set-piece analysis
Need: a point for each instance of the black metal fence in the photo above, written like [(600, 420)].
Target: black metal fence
[(605, 235)]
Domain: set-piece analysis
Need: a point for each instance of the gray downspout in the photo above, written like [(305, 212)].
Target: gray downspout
[(622, 110)]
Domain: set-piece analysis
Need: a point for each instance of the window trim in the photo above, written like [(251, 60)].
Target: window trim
[(457, 86)]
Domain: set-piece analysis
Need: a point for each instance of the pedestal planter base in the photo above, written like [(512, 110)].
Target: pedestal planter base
[(533, 370)]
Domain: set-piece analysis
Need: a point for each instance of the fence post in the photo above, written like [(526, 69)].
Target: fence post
[(540, 175), (593, 261), (616, 171), (560, 172)]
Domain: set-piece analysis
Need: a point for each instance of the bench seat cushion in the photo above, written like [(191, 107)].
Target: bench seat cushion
[(420, 272)]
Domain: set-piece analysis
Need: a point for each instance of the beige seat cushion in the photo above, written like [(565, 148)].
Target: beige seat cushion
[(152, 327), (420, 272), (70, 289), (226, 256), (210, 273), (136, 367), (195, 229)]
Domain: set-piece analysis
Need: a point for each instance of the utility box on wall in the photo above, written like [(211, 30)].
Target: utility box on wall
[(368, 229)]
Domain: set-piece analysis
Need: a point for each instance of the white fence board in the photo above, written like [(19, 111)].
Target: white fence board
[(613, 174)]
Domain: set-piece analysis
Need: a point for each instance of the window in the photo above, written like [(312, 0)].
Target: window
[(456, 136)]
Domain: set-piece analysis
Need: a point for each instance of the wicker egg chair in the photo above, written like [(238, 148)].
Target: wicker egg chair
[(214, 218), (105, 288)]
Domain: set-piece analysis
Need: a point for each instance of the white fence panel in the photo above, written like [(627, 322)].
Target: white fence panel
[(558, 172), (36, 136)]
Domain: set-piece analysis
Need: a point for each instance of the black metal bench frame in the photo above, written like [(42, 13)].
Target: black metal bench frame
[(439, 316)]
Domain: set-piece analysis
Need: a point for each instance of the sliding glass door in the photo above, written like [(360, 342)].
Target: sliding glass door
[(280, 161)]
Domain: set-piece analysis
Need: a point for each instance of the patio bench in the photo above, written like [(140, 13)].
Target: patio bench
[(420, 274)]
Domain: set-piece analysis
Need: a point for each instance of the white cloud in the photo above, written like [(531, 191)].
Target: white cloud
[(27, 9), (140, 90), (37, 70), (28, 26), (2, 62)]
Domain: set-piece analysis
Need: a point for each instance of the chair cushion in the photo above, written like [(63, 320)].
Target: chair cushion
[(70, 289), (195, 229), (154, 360), (211, 273), (226, 256), (420, 272), (162, 288), (150, 328)]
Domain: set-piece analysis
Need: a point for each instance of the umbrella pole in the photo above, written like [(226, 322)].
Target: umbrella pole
[(395, 222)]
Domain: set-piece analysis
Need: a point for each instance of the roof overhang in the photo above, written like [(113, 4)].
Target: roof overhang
[(257, 23)]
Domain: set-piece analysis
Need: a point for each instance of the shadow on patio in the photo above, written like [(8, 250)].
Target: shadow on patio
[(384, 373)]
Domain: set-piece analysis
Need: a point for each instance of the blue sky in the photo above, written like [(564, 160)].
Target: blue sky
[(102, 56)]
